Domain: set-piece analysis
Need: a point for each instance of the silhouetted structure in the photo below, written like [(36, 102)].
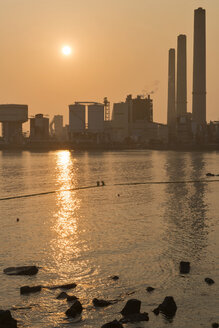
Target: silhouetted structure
[(12, 116), (95, 118), (56, 127), (39, 128), (199, 68), (181, 97), (171, 107)]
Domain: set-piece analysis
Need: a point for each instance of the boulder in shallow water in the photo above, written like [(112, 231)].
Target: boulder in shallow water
[(215, 325), (28, 290), (112, 324), (62, 296), (136, 317), (65, 286), (21, 271), (150, 289), (132, 307), (6, 320), (184, 267), (75, 309), (71, 298), (115, 278), (168, 307), (209, 281), (101, 303)]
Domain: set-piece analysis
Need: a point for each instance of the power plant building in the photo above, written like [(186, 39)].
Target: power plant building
[(96, 118), (199, 68), (76, 118), (120, 121), (12, 116), (39, 128), (56, 126)]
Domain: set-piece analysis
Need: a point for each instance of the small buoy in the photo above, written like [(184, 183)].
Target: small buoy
[(18, 219), (118, 195)]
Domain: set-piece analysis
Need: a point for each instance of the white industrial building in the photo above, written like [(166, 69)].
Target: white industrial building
[(12, 116), (120, 125), (76, 118), (96, 118)]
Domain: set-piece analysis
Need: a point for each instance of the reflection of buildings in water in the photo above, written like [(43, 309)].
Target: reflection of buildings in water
[(185, 206), (65, 242)]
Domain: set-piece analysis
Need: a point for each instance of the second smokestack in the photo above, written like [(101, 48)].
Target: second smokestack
[(181, 91)]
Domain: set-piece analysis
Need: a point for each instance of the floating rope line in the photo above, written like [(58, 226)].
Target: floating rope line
[(115, 184)]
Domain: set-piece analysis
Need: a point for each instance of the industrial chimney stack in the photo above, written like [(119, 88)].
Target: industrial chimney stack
[(181, 96), (199, 68), (171, 110)]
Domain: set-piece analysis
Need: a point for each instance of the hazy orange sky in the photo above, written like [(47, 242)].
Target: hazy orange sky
[(120, 47)]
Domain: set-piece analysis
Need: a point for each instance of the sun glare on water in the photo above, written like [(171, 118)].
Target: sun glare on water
[(66, 50)]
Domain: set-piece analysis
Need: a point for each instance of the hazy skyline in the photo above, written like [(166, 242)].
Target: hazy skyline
[(119, 47)]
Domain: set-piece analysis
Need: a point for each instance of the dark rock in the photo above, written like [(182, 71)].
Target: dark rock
[(75, 309), (18, 220), (24, 270), (137, 317), (132, 307), (209, 175), (156, 311), (62, 296), (65, 286), (114, 278), (101, 303), (168, 307), (184, 267), (150, 289), (215, 325), (28, 290), (71, 298), (112, 324), (209, 281), (6, 320)]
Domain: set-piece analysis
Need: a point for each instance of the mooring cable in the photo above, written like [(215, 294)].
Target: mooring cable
[(115, 184)]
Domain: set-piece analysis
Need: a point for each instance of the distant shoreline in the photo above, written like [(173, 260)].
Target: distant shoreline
[(103, 147)]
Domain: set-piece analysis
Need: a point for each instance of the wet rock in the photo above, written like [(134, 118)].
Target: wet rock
[(62, 296), (6, 320), (209, 175), (65, 286), (28, 290), (101, 303), (209, 281), (168, 307), (215, 325), (156, 311), (132, 307), (75, 309), (184, 267), (24, 270), (115, 278), (71, 298), (150, 289), (137, 317), (112, 324)]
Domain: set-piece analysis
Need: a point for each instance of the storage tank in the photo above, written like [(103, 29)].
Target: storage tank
[(96, 118), (76, 118), (12, 116)]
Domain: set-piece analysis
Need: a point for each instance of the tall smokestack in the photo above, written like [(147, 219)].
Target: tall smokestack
[(181, 96), (199, 68), (171, 110)]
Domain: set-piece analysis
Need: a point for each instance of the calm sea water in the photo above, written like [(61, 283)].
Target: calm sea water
[(86, 236)]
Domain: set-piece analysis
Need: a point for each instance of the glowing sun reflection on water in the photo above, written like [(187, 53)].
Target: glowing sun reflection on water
[(65, 243)]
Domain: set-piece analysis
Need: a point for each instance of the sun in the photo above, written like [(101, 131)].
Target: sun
[(66, 50)]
